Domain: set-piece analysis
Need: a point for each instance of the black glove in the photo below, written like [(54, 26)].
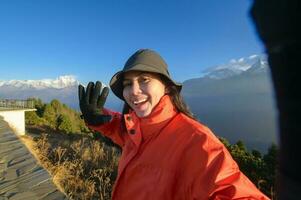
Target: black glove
[(91, 103)]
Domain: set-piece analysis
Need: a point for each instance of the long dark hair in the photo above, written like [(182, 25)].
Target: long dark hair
[(176, 99)]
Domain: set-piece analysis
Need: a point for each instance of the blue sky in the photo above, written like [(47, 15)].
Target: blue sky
[(91, 39)]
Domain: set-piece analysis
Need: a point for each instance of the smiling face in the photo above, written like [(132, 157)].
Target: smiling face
[(142, 91)]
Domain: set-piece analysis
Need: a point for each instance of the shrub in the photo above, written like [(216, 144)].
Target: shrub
[(64, 124)]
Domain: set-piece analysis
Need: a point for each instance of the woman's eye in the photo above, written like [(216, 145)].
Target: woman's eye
[(145, 79), (125, 84)]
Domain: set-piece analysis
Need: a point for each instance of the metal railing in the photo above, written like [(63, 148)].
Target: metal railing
[(16, 103)]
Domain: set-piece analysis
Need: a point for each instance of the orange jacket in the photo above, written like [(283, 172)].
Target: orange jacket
[(169, 156)]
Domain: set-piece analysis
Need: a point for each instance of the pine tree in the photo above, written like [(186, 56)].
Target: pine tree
[(50, 116), (64, 124)]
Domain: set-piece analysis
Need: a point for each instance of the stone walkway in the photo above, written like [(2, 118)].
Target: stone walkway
[(21, 178)]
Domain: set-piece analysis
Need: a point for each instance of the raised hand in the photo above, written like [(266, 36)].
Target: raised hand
[(91, 103)]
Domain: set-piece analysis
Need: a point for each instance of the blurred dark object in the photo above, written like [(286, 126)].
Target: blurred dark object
[(278, 26)]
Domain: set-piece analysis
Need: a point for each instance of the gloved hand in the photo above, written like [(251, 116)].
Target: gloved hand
[(91, 103)]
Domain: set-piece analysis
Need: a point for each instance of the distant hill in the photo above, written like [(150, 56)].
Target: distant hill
[(235, 100)]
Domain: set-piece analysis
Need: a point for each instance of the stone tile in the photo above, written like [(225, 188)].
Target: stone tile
[(21, 177)]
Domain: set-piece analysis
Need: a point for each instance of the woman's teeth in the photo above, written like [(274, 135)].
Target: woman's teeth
[(140, 101)]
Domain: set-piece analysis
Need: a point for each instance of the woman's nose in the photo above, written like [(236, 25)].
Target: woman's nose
[(136, 88)]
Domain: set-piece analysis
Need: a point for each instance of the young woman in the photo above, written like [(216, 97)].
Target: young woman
[(166, 153)]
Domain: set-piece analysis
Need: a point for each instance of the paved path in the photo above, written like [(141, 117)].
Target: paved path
[(21, 178)]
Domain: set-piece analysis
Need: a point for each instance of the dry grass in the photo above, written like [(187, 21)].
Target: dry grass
[(81, 167)]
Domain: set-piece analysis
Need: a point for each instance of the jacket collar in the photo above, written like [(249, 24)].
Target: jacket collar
[(151, 125)]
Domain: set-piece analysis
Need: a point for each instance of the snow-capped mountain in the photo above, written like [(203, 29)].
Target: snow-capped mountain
[(251, 64), (236, 101), (63, 88), (58, 83)]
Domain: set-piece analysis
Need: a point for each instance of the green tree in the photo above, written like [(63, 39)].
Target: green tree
[(256, 154), (56, 105), (39, 105), (271, 158), (261, 170), (241, 145), (251, 165), (271, 163), (31, 118), (57, 116), (64, 124), (50, 116)]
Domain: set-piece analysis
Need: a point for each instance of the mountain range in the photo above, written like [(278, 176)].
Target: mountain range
[(64, 88), (234, 99)]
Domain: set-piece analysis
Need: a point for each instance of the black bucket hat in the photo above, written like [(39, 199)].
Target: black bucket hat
[(144, 60)]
